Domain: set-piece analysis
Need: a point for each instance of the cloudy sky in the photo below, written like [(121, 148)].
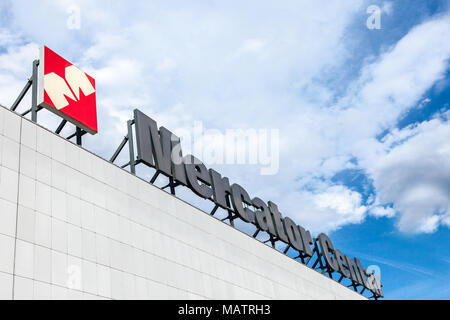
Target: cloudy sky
[(363, 114)]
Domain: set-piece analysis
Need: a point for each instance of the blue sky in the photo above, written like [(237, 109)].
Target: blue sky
[(363, 114), (412, 266)]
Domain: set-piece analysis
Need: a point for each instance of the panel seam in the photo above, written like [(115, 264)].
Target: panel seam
[(17, 212)]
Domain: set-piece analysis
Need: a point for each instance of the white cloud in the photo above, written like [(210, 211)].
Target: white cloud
[(174, 64), (250, 46), (382, 211), (414, 174), (15, 65), (324, 209)]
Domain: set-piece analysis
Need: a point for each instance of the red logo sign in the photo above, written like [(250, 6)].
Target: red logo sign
[(67, 91)]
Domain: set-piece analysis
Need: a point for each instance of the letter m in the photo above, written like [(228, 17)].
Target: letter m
[(77, 81), (57, 88), (155, 147)]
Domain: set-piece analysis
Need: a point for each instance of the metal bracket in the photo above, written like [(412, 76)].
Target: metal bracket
[(21, 95), (61, 126), (131, 147), (78, 133), (31, 83), (214, 209), (128, 138), (155, 176)]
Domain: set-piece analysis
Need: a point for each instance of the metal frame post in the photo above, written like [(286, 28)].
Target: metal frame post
[(78, 135), (119, 149), (61, 126), (131, 147), (34, 91)]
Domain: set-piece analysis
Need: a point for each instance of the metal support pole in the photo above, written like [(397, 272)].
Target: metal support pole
[(315, 263), (34, 91), (119, 149), (309, 259), (125, 165), (75, 133), (214, 210), (230, 217), (79, 134), (155, 176), (230, 212), (61, 126), (319, 258), (172, 186), (131, 147), (272, 241), (302, 258), (21, 95), (330, 272)]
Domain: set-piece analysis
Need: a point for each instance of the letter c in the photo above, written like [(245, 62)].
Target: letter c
[(238, 197), (327, 247)]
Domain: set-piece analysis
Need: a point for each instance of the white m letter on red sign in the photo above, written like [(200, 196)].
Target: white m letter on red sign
[(57, 88), (67, 91)]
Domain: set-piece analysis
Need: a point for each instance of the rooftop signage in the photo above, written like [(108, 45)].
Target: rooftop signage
[(161, 149), (66, 90), (62, 88)]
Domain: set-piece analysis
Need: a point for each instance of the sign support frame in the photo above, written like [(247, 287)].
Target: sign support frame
[(33, 84)]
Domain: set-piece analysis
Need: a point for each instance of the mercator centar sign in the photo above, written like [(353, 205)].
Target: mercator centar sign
[(161, 149)]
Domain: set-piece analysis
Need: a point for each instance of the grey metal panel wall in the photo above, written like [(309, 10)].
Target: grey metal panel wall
[(74, 226)]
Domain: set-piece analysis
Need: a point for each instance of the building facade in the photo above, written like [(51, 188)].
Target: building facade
[(75, 226)]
